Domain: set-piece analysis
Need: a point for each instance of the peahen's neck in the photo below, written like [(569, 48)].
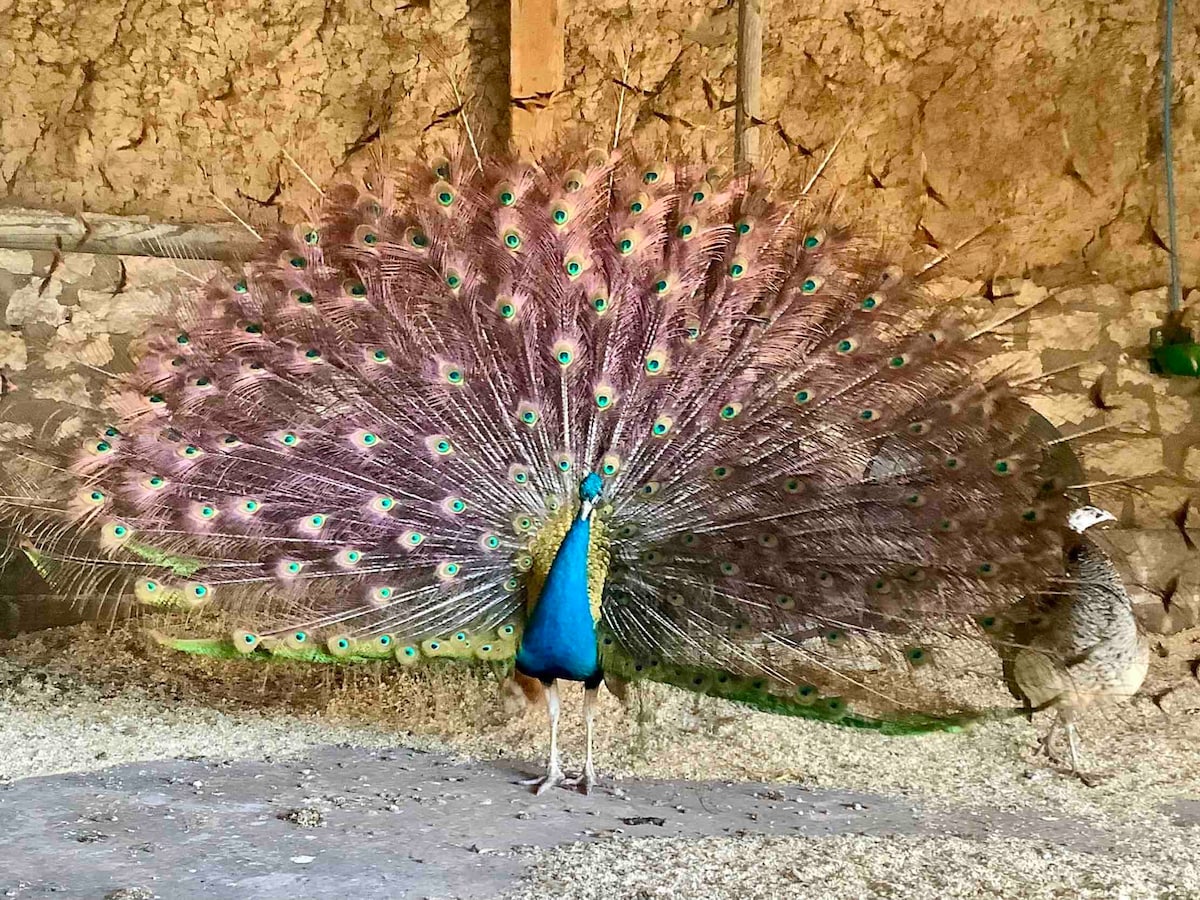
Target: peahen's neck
[(559, 640)]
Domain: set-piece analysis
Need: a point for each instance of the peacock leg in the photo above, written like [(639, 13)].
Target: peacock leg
[(588, 777), (554, 774)]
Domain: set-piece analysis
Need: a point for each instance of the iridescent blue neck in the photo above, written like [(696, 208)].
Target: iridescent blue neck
[(559, 640)]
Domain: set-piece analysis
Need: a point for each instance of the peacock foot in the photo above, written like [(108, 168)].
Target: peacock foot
[(551, 779), (585, 781)]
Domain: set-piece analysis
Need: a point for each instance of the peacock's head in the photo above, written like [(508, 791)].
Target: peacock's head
[(590, 489)]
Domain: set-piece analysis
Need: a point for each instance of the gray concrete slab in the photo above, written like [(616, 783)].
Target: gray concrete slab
[(348, 822)]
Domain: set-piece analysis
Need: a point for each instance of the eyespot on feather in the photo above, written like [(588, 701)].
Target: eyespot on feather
[(415, 239), (656, 362), (528, 414), (365, 440), (605, 396), (574, 181), (439, 445), (306, 233), (444, 195), (366, 238), (564, 352), (507, 308)]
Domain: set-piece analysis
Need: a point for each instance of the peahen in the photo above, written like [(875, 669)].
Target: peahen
[(1078, 644), (584, 417)]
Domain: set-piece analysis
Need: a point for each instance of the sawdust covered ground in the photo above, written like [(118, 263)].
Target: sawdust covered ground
[(80, 699)]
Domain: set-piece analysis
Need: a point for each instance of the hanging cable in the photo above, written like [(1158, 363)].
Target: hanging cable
[(1176, 295)]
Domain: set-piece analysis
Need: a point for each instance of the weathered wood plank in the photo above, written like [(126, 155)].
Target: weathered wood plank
[(749, 84), (32, 229)]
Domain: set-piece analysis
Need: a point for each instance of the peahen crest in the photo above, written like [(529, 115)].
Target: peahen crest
[(368, 442)]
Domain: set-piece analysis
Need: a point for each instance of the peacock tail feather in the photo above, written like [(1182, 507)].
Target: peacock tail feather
[(367, 443)]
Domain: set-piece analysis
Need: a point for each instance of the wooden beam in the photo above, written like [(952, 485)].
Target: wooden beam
[(749, 84), (535, 72), (33, 229)]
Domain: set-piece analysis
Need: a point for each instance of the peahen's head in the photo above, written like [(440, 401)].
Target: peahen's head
[(1084, 517)]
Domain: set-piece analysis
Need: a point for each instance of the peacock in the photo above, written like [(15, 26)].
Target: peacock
[(584, 418)]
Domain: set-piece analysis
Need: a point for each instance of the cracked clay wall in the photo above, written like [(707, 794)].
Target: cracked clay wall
[(1039, 117)]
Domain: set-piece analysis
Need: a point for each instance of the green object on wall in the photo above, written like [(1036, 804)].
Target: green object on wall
[(1173, 349)]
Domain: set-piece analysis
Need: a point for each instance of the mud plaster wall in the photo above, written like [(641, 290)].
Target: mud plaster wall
[(1039, 116)]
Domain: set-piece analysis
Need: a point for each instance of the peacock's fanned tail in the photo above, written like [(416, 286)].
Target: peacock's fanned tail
[(367, 442)]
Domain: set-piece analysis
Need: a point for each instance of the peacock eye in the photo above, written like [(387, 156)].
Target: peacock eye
[(604, 397), (528, 414), (564, 353)]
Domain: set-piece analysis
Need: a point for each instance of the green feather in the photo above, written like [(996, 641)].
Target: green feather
[(217, 648), (182, 566), (803, 702)]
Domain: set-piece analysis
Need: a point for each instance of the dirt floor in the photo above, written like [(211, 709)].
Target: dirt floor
[(129, 773)]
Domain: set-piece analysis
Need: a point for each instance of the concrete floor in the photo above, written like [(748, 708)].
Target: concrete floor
[(341, 821)]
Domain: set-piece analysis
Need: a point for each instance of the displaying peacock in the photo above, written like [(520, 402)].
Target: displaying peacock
[(583, 417)]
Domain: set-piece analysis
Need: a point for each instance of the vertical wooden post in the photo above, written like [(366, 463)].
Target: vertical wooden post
[(537, 50), (749, 84)]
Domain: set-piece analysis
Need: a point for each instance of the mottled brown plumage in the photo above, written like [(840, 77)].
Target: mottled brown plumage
[(1077, 647)]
